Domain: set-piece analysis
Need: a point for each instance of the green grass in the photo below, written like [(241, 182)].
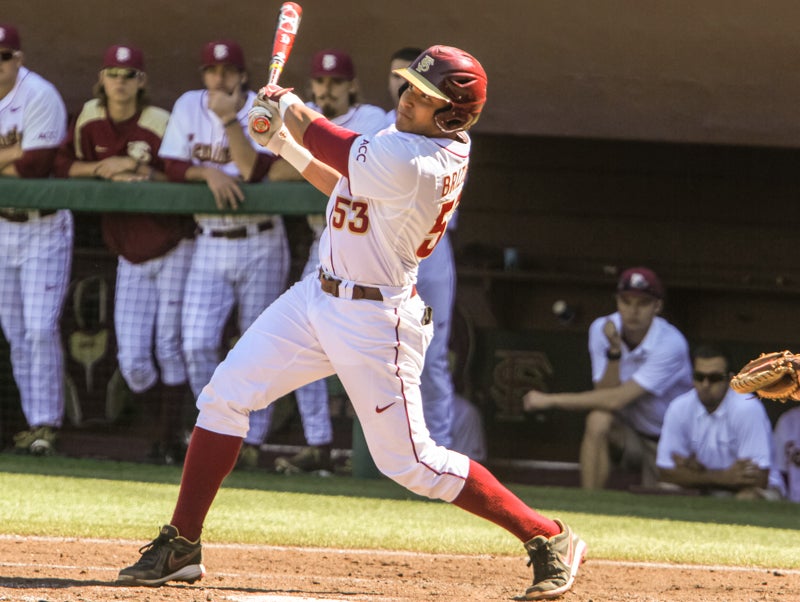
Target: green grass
[(101, 499)]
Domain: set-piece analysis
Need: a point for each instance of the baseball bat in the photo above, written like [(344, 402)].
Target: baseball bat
[(285, 33)]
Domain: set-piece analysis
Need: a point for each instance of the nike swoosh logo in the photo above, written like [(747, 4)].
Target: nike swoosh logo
[(175, 562), (379, 409), (15, 109)]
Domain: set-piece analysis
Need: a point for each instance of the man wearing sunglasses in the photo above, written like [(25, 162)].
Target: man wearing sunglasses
[(714, 439), (640, 362), (35, 246), (117, 136)]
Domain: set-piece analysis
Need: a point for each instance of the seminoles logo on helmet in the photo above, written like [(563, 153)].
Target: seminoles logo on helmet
[(453, 75), (425, 63)]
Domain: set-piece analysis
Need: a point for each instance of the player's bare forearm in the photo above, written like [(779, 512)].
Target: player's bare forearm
[(242, 152), (729, 478), (600, 399), (283, 171), (610, 377), (297, 119), (688, 478), (295, 160), (608, 399), (225, 189), (8, 155), (105, 169), (321, 176), (83, 169)]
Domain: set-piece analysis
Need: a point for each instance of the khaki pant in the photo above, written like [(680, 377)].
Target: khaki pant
[(634, 451)]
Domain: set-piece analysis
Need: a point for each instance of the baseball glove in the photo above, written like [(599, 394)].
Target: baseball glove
[(770, 376)]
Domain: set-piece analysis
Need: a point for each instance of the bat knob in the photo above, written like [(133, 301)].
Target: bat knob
[(261, 124)]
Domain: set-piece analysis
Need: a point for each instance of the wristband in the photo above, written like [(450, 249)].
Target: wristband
[(613, 355), (297, 156), (286, 101)]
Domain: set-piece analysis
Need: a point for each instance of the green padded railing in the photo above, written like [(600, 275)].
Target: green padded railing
[(286, 198)]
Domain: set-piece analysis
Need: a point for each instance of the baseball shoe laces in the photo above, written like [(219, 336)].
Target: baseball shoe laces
[(169, 557), (555, 563)]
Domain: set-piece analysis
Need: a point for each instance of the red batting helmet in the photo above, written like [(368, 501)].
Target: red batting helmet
[(455, 76)]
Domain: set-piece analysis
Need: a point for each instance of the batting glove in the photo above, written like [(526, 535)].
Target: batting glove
[(272, 96), (282, 144), (262, 124)]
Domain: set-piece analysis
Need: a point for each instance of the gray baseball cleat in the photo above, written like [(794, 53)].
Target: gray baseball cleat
[(169, 557), (555, 563)]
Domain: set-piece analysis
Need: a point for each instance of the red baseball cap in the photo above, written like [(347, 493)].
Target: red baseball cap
[(641, 281), (9, 37), (223, 52), (333, 63), (123, 56)]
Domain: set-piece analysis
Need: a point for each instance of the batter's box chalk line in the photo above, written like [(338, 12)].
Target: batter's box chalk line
[(279, 599)]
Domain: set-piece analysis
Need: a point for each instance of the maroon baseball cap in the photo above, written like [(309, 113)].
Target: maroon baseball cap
[(9, 37), (333, 63), (641, 281), (123, 56), (223, 52)]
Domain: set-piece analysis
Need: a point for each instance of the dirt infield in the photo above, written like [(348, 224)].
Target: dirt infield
[(39, 569)]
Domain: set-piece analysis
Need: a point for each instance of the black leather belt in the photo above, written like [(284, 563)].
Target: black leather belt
[(19, 216), (240, 232), (331, 286)]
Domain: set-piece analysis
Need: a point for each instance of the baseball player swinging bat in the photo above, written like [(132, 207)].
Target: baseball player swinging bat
[(285, 33)]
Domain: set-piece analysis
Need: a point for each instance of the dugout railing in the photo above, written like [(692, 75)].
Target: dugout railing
[(88, 310)]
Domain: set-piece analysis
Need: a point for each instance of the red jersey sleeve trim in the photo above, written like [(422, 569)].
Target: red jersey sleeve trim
[(260, 169), (176, 169), (36, 163), (330, 144)]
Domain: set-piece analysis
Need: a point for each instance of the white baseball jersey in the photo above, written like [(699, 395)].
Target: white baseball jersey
[(391, 117), (739, 429), (787, 451), (660, 364), (381, 243), (383, 217), (361, 118), (196, 134), (32, 113)]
